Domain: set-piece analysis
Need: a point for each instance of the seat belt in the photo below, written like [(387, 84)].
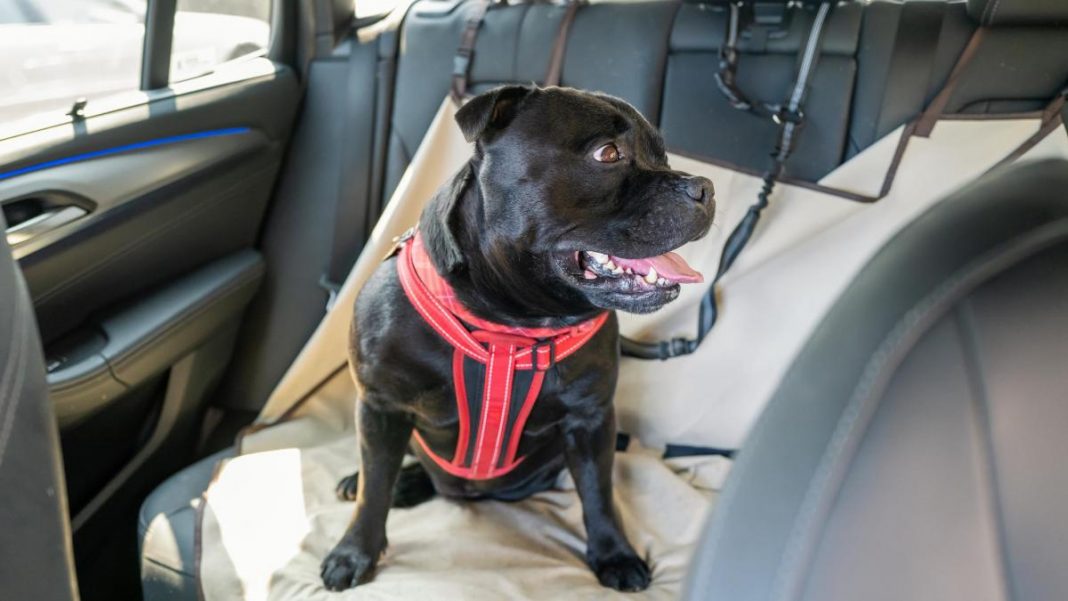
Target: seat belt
[(350, 215), (790, 118)]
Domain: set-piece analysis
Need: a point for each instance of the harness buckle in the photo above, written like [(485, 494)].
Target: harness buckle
[(549, 343)]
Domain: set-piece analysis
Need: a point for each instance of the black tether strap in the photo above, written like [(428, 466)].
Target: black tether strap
[(790, 118)]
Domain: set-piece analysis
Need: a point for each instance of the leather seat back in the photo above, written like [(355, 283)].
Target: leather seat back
[(36, 561), (915, 449)]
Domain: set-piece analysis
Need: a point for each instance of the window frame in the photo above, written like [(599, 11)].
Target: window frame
[(157, 44), (154, 85)]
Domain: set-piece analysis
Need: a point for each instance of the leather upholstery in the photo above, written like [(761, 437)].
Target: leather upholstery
[(914, 450), (617, 48), (726, 134), (1018, 12), (167, 526), (36, 560)]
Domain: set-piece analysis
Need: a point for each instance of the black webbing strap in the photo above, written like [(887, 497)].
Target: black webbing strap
[(789, 116), (351, 211), (728, 68), (556, 59)]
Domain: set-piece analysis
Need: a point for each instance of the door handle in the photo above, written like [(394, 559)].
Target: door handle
[(44, 222), (30, 216)]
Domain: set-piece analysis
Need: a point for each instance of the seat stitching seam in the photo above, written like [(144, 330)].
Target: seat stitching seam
[(839, 451), (20, 348), (981, 404)]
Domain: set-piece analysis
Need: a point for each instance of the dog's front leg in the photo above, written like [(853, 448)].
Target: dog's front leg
[(383, 438), (590, 446)]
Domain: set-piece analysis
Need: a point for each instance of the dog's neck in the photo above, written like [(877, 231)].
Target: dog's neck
[(494, 279)]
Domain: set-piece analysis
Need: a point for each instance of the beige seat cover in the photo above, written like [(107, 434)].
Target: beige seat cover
[(270, 516)]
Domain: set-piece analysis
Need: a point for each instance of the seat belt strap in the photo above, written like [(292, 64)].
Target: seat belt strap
[(790, 118), (461, 63), (350, 213), (556, 60)]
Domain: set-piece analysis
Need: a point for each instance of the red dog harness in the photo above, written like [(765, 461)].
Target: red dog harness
[(493, 366)]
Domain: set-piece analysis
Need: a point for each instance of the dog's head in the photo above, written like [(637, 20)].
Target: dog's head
[(576, 201)]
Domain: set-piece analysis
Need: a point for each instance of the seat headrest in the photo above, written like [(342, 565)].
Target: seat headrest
[(1018, 12)]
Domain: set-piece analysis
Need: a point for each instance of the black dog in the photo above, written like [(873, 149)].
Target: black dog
[(542, 228)]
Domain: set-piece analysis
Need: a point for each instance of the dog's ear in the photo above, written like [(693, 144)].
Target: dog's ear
[(491, 110), (439, 221)]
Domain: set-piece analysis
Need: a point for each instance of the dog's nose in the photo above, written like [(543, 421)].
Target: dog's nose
[(700, 189)]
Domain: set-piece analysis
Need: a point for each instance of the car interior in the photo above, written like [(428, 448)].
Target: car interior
[(180, 264)]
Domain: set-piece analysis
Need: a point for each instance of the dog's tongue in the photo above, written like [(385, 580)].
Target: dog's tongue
[(669, 266)]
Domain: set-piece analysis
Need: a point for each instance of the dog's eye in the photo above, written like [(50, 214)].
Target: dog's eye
[(608, 153)]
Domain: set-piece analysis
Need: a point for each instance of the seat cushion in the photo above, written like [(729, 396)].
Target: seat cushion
[(930, 451), (167, 530), (271, 517)]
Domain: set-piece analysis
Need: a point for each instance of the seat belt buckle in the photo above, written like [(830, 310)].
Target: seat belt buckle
[(332, 289), (551, 345)]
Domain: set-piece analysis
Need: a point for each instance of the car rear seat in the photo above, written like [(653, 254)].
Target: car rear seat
[(870, 81), (617, 48), (930, 466)]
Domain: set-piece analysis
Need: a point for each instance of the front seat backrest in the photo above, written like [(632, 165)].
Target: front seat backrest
[(916, 448), (36, 561)]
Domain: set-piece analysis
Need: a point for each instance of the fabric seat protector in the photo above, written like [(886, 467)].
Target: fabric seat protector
[(270, 515), (808, 245)]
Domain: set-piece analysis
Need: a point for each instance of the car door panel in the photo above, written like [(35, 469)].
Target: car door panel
[(136, 228), (162, 200), (130, 344)]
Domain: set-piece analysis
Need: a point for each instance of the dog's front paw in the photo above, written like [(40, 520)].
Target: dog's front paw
[(622, 572), (345, 567)]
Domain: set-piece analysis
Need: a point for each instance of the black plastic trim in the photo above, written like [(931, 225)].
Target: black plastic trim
[(149, 335)]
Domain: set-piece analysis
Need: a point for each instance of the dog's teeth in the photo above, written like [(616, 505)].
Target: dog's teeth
[(596, 256), (589, 275), (610, 265), (650, 278), (629, 271), (661, 282), (618, 270)]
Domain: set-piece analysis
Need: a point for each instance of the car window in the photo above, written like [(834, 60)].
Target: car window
[(208, 33), (53, 52)]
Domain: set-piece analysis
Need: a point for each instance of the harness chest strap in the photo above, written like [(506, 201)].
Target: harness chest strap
[(485, 448)]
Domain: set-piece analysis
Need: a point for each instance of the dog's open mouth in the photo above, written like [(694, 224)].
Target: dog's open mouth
[(638, 275)]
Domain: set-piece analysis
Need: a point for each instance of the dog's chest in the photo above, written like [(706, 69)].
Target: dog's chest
[(469, 411)]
